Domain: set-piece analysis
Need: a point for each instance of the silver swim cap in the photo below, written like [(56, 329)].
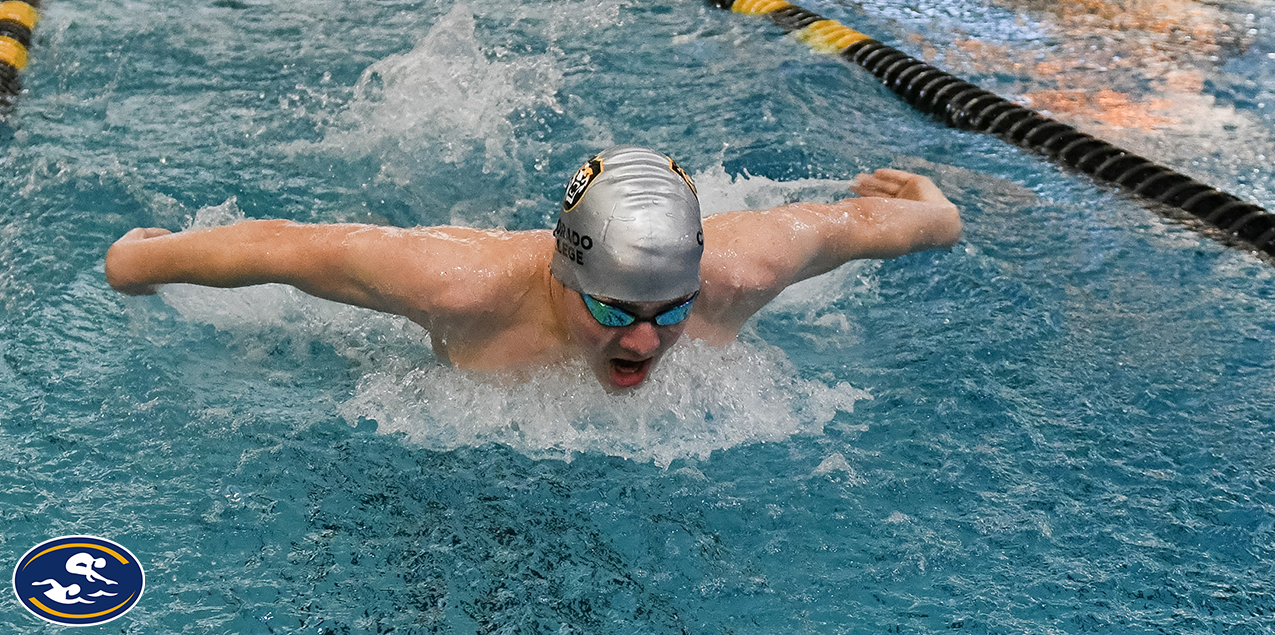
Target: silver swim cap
[(629, 228)]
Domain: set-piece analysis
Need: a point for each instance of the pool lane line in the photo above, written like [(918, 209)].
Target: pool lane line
[(962, 105), (17, 22)]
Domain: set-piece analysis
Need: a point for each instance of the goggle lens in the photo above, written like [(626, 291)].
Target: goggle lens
[(608, 315), (675, 314)]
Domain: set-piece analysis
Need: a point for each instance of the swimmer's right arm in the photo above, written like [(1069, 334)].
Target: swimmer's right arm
[(247, 253), (375, 267), (126, 264)]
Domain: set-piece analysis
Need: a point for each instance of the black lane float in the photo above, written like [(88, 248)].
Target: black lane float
[(17, 21), (962, 105)]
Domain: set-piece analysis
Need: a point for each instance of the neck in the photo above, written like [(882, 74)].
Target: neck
[(558, 297)]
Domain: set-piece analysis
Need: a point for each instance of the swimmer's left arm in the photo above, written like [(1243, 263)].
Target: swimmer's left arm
[(898, 213), (751, 256)]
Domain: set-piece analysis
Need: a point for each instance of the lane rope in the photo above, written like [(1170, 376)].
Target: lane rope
[(960, 104), (17, 22)]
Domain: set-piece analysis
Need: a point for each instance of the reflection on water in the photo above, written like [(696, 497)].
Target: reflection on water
[(1071, 416), (1149, 75)]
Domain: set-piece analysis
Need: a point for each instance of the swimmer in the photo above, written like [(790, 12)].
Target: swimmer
[(628, 269), (84, 563), (62, 594)]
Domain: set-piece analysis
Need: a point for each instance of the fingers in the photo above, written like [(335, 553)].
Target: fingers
[(142, 233), (123, 265), (883, 183), (895, 176), (888, 183)]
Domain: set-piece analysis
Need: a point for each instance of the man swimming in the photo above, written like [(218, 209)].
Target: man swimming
[(627, 270)]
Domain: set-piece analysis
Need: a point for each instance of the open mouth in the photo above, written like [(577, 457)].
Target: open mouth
[(627, 373)]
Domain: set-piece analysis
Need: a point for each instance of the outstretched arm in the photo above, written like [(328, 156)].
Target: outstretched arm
[(751, 256), (899, 213), (387, 269)]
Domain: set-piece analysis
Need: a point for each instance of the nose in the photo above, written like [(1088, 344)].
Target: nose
[(640, 339)]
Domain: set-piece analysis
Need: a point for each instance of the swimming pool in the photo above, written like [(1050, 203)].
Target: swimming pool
[(1063, 425)]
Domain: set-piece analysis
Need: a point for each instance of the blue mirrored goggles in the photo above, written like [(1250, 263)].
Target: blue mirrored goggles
[(608, 315)]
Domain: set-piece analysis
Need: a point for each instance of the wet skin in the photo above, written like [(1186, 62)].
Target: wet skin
[(488, 298), (620, 356)]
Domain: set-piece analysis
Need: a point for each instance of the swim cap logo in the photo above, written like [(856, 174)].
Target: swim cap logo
[(78, 580), (685, 177), (580, 182)]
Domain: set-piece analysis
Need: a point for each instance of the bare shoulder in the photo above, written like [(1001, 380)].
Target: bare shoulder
[(751, 256), (453, 272)]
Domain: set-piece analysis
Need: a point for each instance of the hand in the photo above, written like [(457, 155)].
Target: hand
[(886, 183), (124, 265), (142, 233), (937, 223)]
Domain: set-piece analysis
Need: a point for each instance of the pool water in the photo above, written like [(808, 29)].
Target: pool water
[(1064, 424)]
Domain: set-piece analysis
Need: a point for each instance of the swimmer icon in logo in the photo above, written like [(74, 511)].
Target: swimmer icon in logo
[(78, 580)]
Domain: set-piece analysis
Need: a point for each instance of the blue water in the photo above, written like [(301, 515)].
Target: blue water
[(1065, 424)]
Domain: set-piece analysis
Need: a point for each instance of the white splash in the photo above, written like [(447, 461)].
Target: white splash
[(722, 192), (836, 465), (443, 106), (700, 399)]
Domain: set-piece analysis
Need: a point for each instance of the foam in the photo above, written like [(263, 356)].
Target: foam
[(722, 192), (835, 465), (699, 400)]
